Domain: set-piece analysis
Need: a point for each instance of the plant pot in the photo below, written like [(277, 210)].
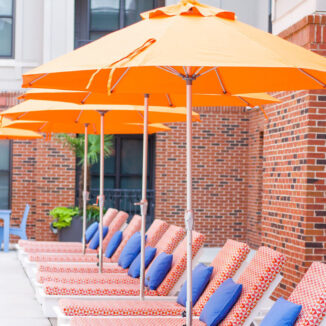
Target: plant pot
[(73, 233)]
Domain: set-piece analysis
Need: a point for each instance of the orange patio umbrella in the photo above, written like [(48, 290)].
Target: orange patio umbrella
[(99, 119), (77, 128), (16, 133), (189, 44)]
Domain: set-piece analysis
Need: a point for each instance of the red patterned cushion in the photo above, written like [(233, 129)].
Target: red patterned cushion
[(141, 321), (155, 232), (256, 278), (226, 263), (311, 294)]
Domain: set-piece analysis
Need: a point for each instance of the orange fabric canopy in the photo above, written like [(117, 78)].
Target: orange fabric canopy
[(15, 133), (226, 56), (77, 128), (67, 113), (173, 100)]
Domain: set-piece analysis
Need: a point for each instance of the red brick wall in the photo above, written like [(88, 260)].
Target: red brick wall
[(220, 148), (43, 175)]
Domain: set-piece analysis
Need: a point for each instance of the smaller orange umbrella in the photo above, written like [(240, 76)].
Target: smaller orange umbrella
[(16, 133)]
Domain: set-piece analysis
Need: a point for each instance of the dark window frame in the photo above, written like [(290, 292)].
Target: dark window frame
[(12, 17)]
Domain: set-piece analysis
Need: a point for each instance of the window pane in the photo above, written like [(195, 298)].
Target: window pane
[(131, 156), (109, 166), (105, 15), (5, 36), (6, 7), (4, 190), (130, 182), (4, 157), (96, 35), (108, 182), (134, 8)]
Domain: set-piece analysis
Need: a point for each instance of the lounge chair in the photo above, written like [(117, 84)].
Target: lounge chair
[(31, 267), (167, 243), (65, 247), (259, 279), (107, 219), (50, 294)]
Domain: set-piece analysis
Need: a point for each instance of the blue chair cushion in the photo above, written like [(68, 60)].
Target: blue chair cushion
[(94, 243), (158, 270), (90, 231), (134, 269), (113, 244), (220, 303), (200, 278), (130, 251), (283, 313)]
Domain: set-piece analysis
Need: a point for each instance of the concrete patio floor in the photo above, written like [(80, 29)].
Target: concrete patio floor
[(17, 303)]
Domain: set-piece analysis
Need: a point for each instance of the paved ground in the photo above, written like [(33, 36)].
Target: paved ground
[(17, 304)]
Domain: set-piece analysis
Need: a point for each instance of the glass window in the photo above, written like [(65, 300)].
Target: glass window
[(4, 174), (6, 28), (133, 9)]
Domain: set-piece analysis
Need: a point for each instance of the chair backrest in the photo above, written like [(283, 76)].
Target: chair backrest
[(115, 226), (155, 232), (133, 227), (255, 280), (25, 216), (225, 264), (179, 262), (311, 294), (109, 216)]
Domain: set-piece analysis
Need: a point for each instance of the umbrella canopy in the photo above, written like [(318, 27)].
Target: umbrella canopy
[(73, 113), (51, 127), (16, 133), (226, 56), (172, 100)]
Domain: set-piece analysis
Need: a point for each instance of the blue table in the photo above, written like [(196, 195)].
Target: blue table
[(5, 216)]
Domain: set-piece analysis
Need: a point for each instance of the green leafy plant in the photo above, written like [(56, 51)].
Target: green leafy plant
[(76, 144), (62, 216), (93, 213)]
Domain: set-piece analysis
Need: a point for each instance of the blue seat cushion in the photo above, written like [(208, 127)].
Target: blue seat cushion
[(113, 244), (200, 278), (94, 243), (283, 313), (158, 270), (131, 250), (220, 303), (90, 231), (134, 269)]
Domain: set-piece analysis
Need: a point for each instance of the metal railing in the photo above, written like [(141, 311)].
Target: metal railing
[(124, 199)]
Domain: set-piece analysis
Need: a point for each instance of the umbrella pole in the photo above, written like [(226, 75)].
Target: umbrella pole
[(85, 194), (101, 197), (144, 203), (189, 211)]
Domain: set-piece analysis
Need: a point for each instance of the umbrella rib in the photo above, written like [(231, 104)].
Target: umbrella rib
[(170, 71), (198, 70), (173, 69), (22, 115), (80, 113), (220, 81), (169, 99), (44, 124), (85, 98), (37, 79), (312, 77), (203, 73), (118, 81), (244, 101)]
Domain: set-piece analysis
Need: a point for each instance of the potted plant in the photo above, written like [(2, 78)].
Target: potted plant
[(65, 221)]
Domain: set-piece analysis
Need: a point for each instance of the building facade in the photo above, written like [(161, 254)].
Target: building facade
[(255, 180)]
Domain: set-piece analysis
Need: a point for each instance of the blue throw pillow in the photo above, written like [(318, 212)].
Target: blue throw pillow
[(134, 269), (113, 244), (158, 270), (130, 251), (220, 303), (90, 231), (283, 313), (96, 238), (200, 278)]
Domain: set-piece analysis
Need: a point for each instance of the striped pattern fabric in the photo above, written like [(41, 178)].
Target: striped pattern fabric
[(167, 243), (311, 294)]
